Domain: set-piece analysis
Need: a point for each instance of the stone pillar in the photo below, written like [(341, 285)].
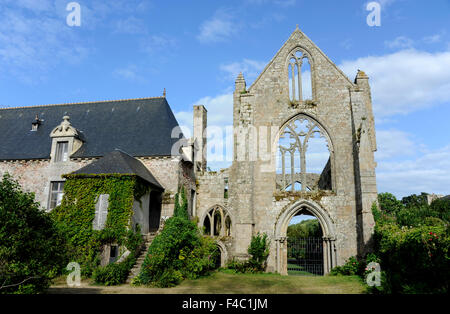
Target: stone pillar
[(200, 123)]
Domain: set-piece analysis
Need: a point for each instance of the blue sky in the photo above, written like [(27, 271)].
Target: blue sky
[(195, 49)]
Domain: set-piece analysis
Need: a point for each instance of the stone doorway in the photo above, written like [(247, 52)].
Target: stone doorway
[(313, 254), (154, 211)]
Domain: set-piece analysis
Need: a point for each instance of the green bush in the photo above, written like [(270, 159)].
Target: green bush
[(351, 267), (259, 252), (115, 273), (413, 247), (181, 205), (32, 250), (178, 252)]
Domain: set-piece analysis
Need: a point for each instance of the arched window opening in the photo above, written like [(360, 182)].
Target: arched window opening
[(299, 71), (217, 222), (303, 159), (228, 226), (207, 225)]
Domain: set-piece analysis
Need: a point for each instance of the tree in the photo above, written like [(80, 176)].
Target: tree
[(31, 248), (389, 203)]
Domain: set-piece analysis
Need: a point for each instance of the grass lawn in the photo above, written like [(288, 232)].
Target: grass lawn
[(227, 282)]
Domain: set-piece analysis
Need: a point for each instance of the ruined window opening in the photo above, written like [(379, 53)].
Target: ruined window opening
[(56, 193), (225, 190), (217, 222), (303, 160), (299, 71), (62, 151)]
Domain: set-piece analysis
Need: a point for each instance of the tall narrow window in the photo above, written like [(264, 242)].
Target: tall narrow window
[(101, 212), (62, 151), (299, 70), (56, 194)]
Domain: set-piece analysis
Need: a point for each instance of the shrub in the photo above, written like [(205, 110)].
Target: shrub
[(259, 252), (178, 252), (115, 273), (31, 248), (351, 267), (181, 205), (413, 247)]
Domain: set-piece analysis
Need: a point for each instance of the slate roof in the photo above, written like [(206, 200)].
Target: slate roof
[(118, 161), (141, 127)]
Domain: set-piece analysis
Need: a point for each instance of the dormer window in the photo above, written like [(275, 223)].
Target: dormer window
[(65, 141), (35, 124), (62, 151)]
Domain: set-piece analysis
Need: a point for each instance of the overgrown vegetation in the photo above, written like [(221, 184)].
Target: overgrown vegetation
[(305, 229), (411, 243), (178, 252), (31, 247), (76, 214), (258, 251)]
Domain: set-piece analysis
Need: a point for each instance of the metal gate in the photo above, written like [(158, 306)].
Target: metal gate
[(305, 256)]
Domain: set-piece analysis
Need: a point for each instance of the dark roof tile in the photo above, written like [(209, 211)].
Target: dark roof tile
[(122, 163), (141, 127)]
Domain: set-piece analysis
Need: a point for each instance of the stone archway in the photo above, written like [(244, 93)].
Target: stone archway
[(328, 231), (223, 253)]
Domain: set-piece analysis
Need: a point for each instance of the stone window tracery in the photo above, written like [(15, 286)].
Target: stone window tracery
[(217, 222), (299, 71), (303, 156)]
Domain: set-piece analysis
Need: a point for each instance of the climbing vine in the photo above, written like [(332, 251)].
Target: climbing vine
[(77, 212)]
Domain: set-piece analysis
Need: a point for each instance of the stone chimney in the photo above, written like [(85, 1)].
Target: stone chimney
[(200, 123), (240, 84)]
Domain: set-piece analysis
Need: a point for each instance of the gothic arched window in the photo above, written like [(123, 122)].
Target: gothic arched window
[(299, 70), (304, 159), (217, 222)]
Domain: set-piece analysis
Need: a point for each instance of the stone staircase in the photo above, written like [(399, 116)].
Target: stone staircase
[(148, 238)]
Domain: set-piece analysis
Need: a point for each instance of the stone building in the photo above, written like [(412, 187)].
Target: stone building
[(269, 183), (39, 144), (300, 100)]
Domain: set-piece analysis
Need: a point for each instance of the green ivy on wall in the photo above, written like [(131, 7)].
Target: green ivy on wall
[(77, 211)]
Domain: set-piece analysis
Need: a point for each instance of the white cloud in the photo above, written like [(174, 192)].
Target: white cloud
[(220, 111), (399, 42), (31, 42), (405, 81), (394, 143), (151, 43), (130, 72), (282, 3), (250, 68), (218, 28), (432, 39), (428, 173), (130, 25)]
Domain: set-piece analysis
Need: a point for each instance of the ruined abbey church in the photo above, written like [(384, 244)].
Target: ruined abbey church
[(277, 123)]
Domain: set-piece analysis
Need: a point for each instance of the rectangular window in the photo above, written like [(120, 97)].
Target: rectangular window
[(62, 151), (56, 194), (101, 212)]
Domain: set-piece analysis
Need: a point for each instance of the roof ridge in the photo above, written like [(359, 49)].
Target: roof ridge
[(81, 103)]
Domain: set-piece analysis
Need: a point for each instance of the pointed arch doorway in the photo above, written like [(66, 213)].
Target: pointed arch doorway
[(315, 257)]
